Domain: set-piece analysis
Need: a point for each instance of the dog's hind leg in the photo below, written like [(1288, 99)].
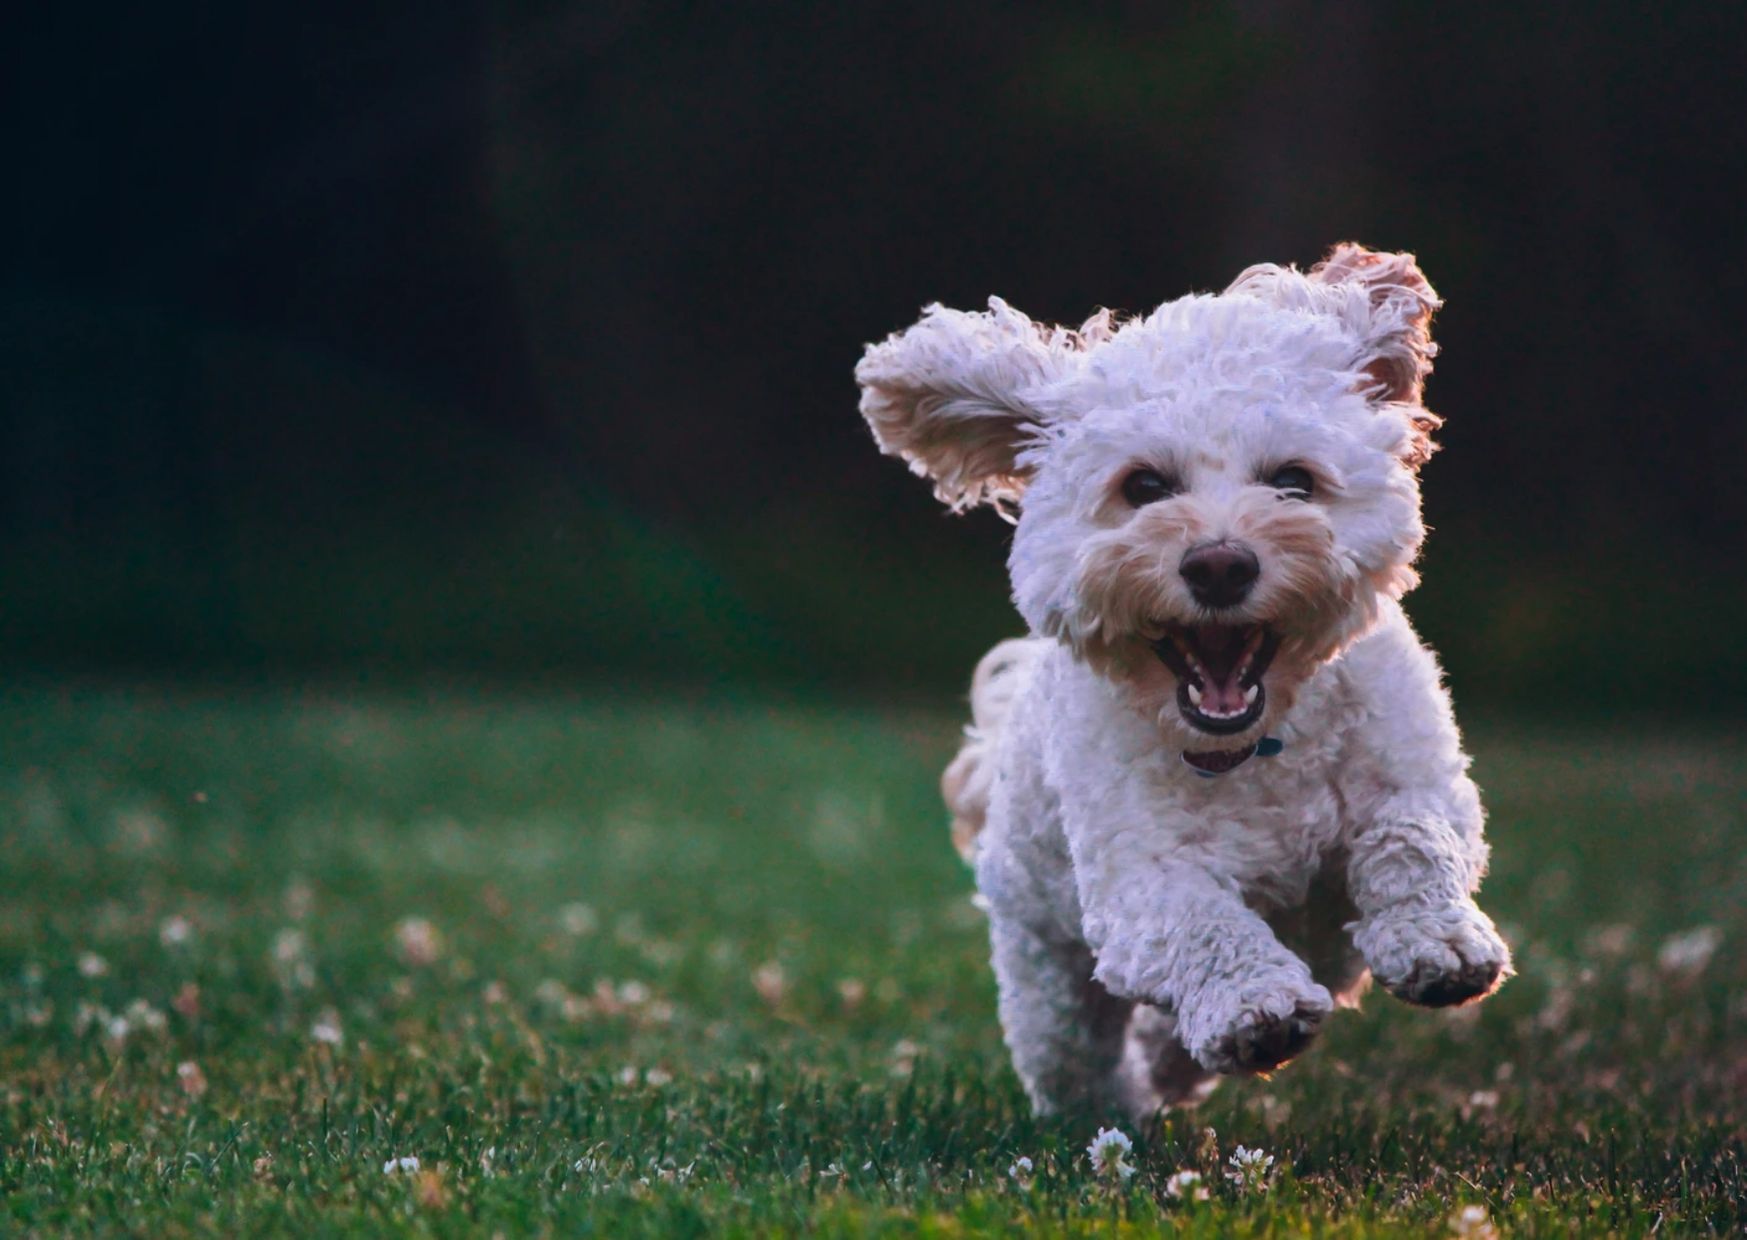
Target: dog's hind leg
[(1157, 1069), (1064, 1030)]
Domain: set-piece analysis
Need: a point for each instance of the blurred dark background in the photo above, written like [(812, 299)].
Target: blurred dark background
[(516, 340)]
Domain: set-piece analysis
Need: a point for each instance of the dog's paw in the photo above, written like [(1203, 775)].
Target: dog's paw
[(1262, 1030), (1436, 957)]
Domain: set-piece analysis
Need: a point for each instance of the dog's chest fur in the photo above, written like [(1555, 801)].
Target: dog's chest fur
[(1080, 763)]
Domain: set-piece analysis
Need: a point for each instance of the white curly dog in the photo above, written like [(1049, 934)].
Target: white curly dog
[(1221, 783)]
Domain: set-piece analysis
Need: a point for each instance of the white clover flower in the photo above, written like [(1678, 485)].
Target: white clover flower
[(86, 1015), (394, 1166), (1250, 1169), (289, 946), (93, 965), (1471, 1223), (658, 1077), (1482, 1100), (142, 1015), (326, 1029), (771, 983), (578, 920), (1186, 1186), (851, 991), (291, 961), (633, 994), (420, 942), (1689, 952), (175, 931), (1021, 1169), (191, 1079), (1108, 1152)]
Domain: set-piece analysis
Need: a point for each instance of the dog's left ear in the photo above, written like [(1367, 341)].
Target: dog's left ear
[(956, 395), (1386, 303), (1398, 337)]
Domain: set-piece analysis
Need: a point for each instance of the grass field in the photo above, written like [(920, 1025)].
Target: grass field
[(606, 967)]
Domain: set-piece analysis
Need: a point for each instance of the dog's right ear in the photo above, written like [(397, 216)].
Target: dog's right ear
[(956, 396)]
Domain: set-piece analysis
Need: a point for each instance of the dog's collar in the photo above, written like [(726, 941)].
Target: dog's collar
[(1221, 761)]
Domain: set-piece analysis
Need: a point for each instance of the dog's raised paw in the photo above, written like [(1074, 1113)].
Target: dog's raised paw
[(1271, 1042), (1431, 985), (1259, 1040), (1436, 957)]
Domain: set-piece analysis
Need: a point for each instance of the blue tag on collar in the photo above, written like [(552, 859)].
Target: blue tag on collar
[(1268, 746)]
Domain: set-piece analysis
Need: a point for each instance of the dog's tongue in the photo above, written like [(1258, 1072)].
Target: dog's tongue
[(1219, 647)]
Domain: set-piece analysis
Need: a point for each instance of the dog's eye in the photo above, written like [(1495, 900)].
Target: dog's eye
[(1294, 482), (1146, 486)]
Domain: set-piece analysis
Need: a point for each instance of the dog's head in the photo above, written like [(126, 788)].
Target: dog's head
[(1212, 500)]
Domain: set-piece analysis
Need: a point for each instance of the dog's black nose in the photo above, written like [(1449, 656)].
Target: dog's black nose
[(1220, 574)]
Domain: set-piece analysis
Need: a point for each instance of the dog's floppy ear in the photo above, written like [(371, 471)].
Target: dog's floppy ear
[(953, 396), (1401, 300), (1386, 303)]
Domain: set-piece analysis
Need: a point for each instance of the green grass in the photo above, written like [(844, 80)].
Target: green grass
[(711, 966)]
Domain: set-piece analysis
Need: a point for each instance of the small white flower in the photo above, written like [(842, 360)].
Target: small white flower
[(633, 994), (289, 946), (578, 920), (420, 942), (326, 1029), (395, 1166), (1471, 1223), (1186, 1186), (191, 1079), (1689, 952), (1108, 1152), (658, 1077), (142, 1015), (771, 983), (93, 965), (851, 990), (88, 1015), (175, 931), (1249, 1168), (1021, 1169)]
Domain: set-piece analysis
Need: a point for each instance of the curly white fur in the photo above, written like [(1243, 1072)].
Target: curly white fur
[(1152, 927)]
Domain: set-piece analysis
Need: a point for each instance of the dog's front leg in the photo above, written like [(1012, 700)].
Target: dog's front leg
[(1411, 876), (1179, 937)]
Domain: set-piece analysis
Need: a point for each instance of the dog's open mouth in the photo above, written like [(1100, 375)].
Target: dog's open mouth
[(1219, 671)]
